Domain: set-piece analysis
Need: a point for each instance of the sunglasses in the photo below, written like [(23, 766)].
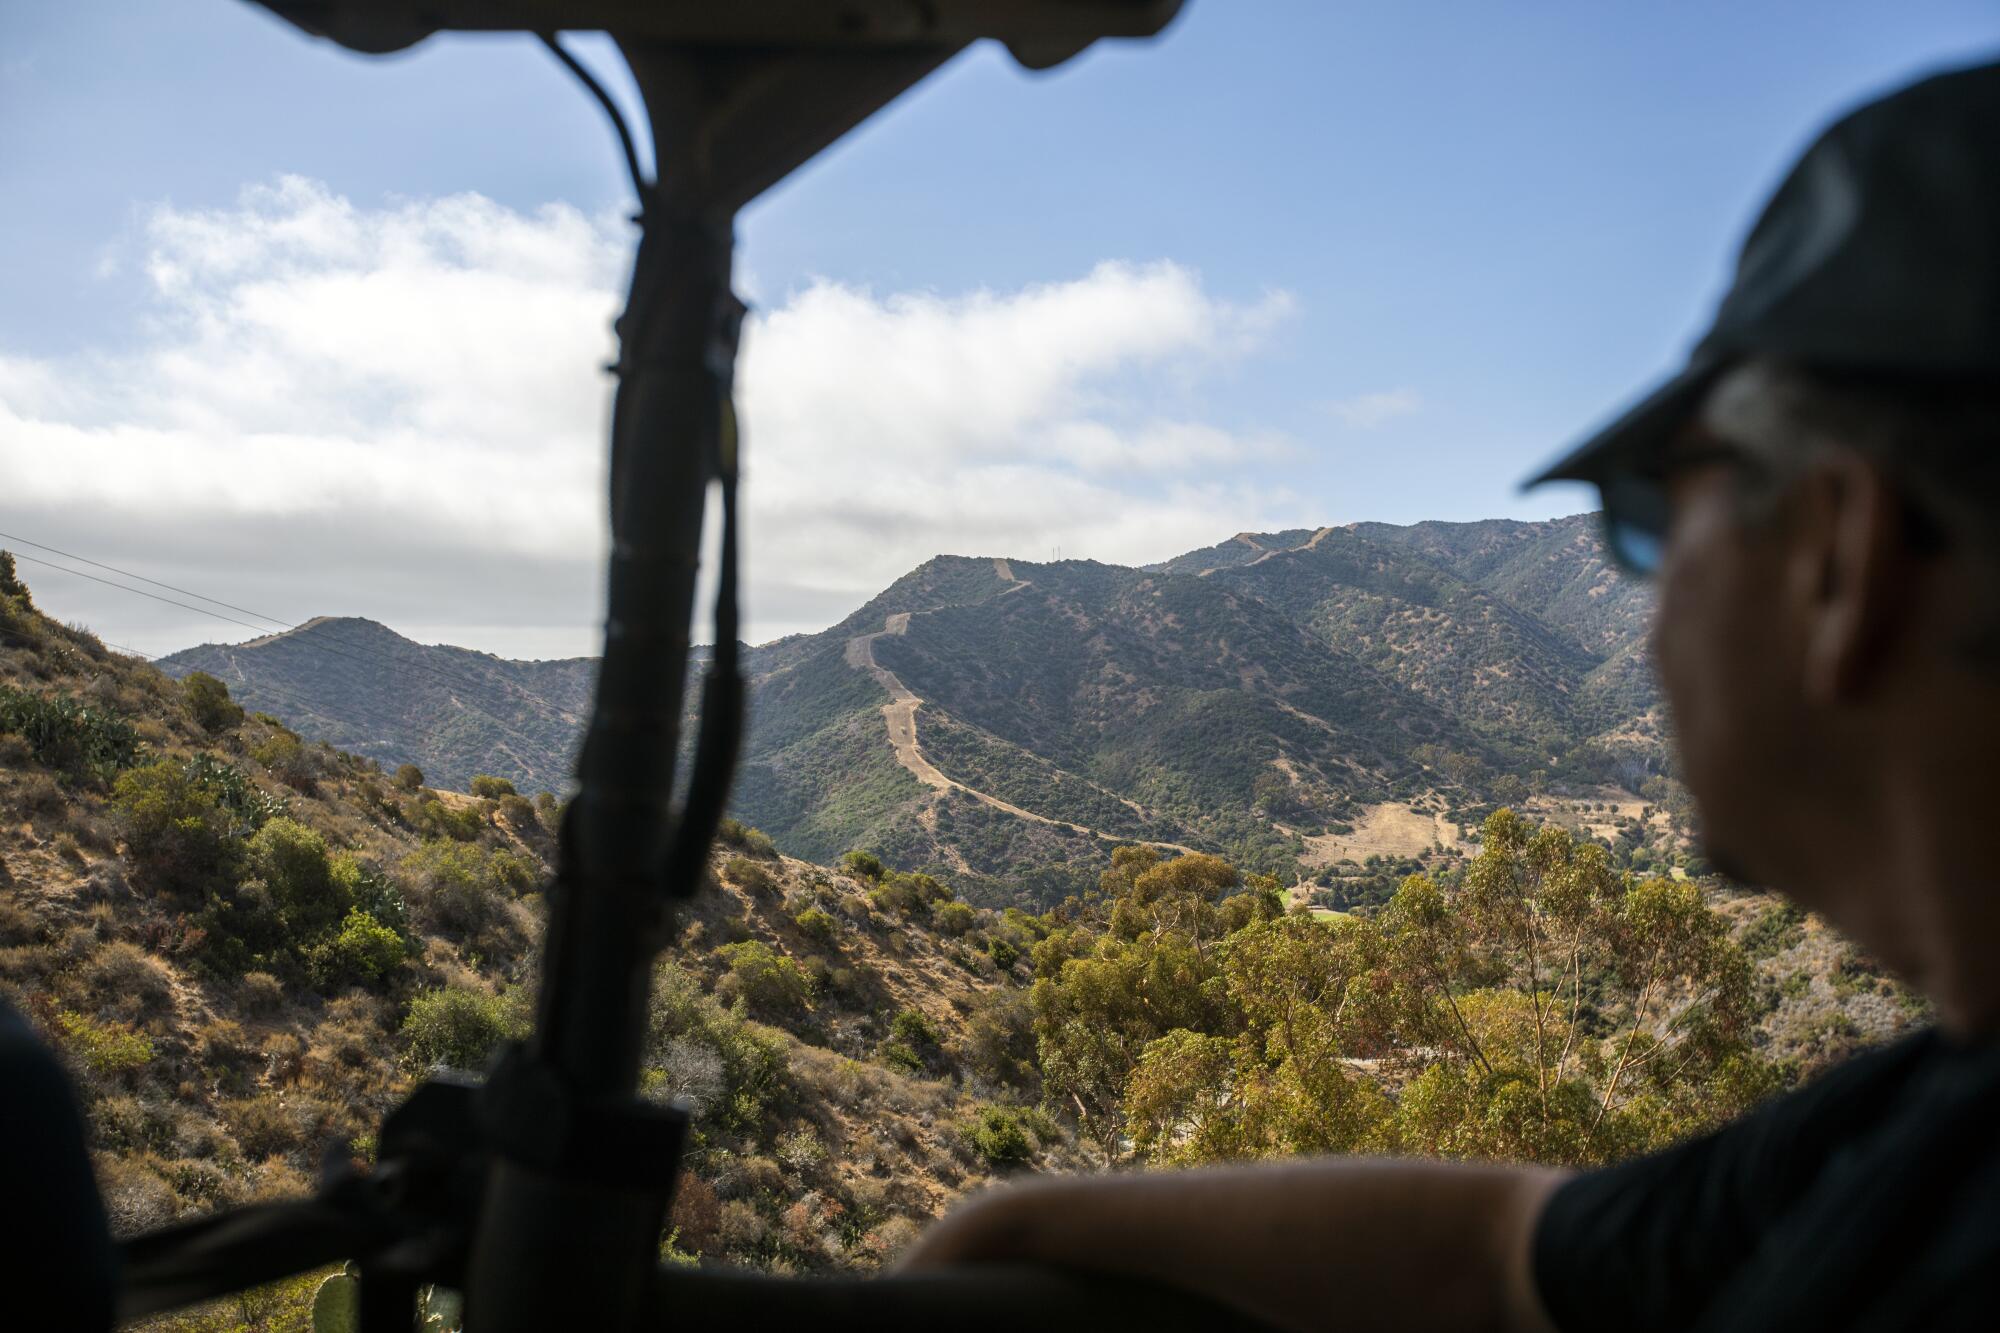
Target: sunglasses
[(1637, 508)]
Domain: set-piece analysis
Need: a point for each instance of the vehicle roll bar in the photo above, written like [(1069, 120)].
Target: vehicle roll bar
[(542, 1192)]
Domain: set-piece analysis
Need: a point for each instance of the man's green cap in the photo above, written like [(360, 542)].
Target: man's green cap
[(1879, 254)]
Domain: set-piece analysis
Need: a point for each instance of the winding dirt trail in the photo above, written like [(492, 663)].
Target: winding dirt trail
[(900, 713), (1319, 535), (900, 716)]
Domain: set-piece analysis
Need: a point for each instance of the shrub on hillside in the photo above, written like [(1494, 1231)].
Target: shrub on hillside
[(82, 743), (754, 842), (124, 979), (697, 1214), (243, 931), (176, 835), (409, 777), (103, 1048), (224, 1047), (801, 1151), (371, 891), (549, 809), (458, 1027), (999, 1044), (1778, 928), (729, 1069), (260, 994), (908, 895), (462, 890), (135, 1197), (287, 758), (818, 924), (862, 865), (915, 1044), (233, 790), (11, 586), (293, 895), (209, 704), (519, 814), (435, 819), (292, 861), (999, 1138), (766, 980), (489, 788), (362, 952), (953, 918), (748, 876), (263, 1126)]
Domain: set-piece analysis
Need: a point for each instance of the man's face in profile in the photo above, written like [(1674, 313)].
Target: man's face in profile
[(1724, 653)]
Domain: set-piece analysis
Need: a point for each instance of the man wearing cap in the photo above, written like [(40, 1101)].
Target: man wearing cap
[(1817, 496)]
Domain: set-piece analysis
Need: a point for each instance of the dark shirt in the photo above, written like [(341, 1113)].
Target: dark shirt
[(57, 1268), (1869, 1199)]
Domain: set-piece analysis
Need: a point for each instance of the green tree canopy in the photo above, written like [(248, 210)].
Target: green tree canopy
[(1538, 1006)]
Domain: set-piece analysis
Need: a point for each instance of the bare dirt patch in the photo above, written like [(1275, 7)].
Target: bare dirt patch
[(1389, 829)]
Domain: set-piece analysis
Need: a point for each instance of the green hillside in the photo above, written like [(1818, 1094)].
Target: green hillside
[(1557, 571), (1495, 667), (451, 711), (1261, 699)]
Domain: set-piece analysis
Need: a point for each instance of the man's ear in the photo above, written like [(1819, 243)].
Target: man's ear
[(1854, 567)]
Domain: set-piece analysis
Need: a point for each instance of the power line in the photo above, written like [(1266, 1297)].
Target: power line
[(99, 564), (362, 655), (141, 592), (358, 655)]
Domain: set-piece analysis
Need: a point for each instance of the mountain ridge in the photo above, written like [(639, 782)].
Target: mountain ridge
[(360, 686), (984, 714)]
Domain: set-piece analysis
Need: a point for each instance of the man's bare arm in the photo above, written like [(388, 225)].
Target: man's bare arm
[(1330, 1244)]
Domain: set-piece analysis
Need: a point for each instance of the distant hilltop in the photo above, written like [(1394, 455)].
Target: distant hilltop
[(366, 689)]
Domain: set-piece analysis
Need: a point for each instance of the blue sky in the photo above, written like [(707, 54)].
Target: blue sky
[(1329, 262)]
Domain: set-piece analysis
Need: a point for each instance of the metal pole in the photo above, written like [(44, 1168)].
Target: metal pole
[(576, 1198)]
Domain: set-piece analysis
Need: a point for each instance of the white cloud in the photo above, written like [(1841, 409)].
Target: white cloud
[(1369, 410), (399, 412), (883, 430)]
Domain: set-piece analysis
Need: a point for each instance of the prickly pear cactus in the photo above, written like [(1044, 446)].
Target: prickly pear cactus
[(337, 1303)]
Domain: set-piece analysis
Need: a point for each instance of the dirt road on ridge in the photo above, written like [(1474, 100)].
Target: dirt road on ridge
[(901, 711), (900, 716)]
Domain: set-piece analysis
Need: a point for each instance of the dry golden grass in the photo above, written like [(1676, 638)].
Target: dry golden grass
[(1391, 829)]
